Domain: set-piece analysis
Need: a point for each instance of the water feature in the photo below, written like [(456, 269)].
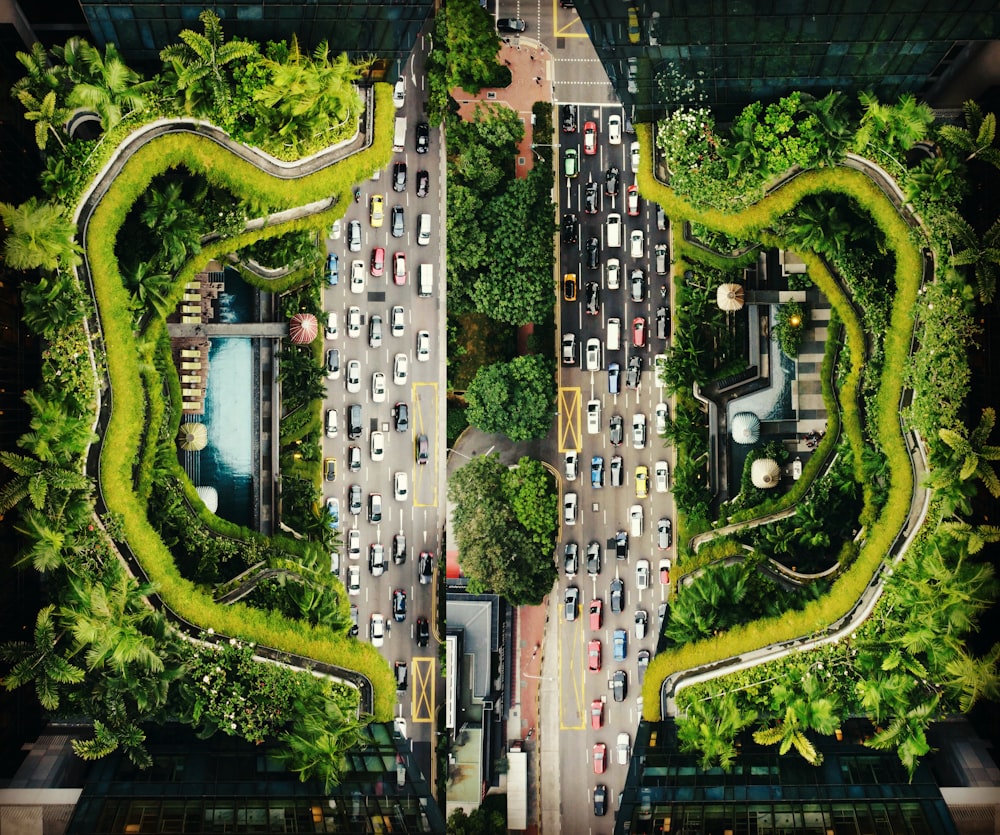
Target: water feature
[(231, 410)]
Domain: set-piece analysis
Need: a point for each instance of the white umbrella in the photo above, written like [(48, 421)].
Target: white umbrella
[(765, 473), (730, 297), (193, 436), (745, 428)]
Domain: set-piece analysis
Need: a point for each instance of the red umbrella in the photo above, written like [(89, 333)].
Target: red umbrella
[(303, 328)]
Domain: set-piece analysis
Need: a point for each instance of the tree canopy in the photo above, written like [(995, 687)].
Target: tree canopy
[(515, 398), (502, 543)]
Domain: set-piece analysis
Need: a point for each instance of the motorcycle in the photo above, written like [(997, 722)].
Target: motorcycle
[(357, 195)]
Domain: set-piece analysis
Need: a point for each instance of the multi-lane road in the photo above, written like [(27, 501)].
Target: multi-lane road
[(418, 517), (603, 511)]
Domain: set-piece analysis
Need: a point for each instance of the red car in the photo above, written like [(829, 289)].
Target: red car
[(596, 610), (600, 757), (632, 200), (589, 138), (378, 261), (638, 331), (597, 714), (399, 268), (594, 656)]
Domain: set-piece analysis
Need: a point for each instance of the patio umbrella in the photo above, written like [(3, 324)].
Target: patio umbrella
[(210, 496), (745, 428), (303, 328), (730, 297), (765, 473), (193, 436)]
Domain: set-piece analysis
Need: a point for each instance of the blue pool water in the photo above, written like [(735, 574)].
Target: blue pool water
[(227, 462)]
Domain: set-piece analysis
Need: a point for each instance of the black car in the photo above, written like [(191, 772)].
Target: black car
[(423, 632), (593, 298), (354, 499), (399, 549), (423, 137), (423, 183), (399, 605), (594, 558), (396, 222), (611, 181), (619, 685), (634, 372), (400, 669), (638, 285), (425, 567), (600, 800), (571, 558), (593, 252), (662, 321), (590, 199), (401, 417), (621, 545), (617, 430), (570, 228), (616, 471), (511, 25), (569, 118), (617, 595), (399, 176)]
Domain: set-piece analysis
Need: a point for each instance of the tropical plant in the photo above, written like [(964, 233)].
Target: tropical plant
[(52, 303), (38, 481), (515, 398), (800, 710), (42, 661), (972, 455), (892, 128), (976, 139), (983, 255), (46, 114), (107, 85), (38, 235), (906, 733), (710, 730)]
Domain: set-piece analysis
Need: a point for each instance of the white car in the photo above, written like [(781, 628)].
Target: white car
[(400, 369), (423, 346), (378, 630), (400, 487), (614, 273), (633, 155), (572, 465), (614, 130), (399, 92), (331, 423), (377, 446), (354, 580), (378, 387), (331, 326), (357, 276), (593, 417), (623, 748), (354, 544), (593, 354), (642, 574), (636, 244), (353, 377), (354, 321), (569, 509), (638, 431), (635, 520), (661, 475), (661, 418), (397, 321)]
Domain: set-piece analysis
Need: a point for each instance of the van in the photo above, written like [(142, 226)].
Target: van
[(354, 421), (614, 341), (424, 229), (615, 230), (331, 423), (425, 280)]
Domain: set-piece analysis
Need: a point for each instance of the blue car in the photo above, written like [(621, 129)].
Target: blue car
[(332, 268), (597, 471), (621, 644)]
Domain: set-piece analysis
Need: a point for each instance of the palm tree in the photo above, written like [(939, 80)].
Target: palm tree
[(37, 480), (881, 695), (40, 661), (933, 181), (38, 235), (57, 436), (974, 452), (198, 66), (46, 552), (975, 536), (175, 221), (896, 128), (46, 114), (52, 303), (110, 88), (802, 710), (150, 287), (108, 738), (709, 728), (976, 138), (906, 733), (321, 736), (968, 250)]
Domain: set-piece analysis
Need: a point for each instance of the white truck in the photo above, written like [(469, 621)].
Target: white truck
[(399, 137)]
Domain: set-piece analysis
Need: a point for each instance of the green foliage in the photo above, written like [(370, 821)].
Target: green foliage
[(790, 323), (39, 235), (515, 398), (283, 251), (482, 821), (498, 552), (532, 494)]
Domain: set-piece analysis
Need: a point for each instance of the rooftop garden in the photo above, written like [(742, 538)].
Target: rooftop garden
[(110, 517)]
